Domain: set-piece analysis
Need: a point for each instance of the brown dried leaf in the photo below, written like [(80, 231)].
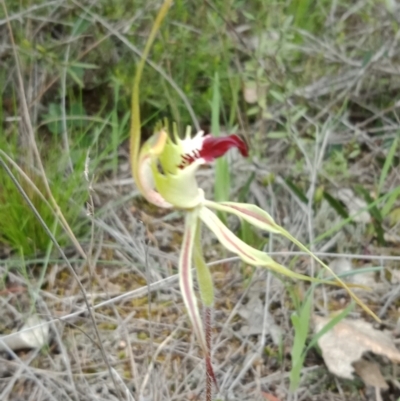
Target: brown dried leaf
[(269, 396), (370, 374), (347, 342)]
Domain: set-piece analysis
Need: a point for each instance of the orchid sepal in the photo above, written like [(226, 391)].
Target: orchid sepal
[(204, 278), (186, 278), (248, 254), (251, 213), (190, 241), (149, 152), (259, 218)]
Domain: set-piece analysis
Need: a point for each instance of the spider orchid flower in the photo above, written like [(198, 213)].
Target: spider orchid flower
[(166, 169)]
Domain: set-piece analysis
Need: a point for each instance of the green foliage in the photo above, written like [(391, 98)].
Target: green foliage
[(301, 323), (222, 184), (88, 136), (19, 228)]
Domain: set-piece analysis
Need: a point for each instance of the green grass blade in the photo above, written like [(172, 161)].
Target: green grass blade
[(388, 164), (392, 198), (301, 324), (336, 204), (344, 222), (135, 131), (222, 176), (296, 190), (332, 323), (376, 214)]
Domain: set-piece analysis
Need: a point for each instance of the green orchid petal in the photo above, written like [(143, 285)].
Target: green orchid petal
[(148, 156), (261, 219), (171, 157), (204, 278), (186, 279), (251, 213), (179, 189), (248, 254)]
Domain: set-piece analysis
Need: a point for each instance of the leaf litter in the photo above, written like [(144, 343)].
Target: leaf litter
[(344, 346), (253, 314)]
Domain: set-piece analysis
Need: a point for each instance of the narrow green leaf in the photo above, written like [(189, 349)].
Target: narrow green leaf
[(300, 194), (222, 176), (332, 323), (344, 222), (244, 191), (336, 204), (376, 214), (388, 164), (87, 66), (81, 25), (76, 75), (301, 324), (392, 198)]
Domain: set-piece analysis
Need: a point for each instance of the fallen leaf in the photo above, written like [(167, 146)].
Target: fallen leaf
[(253, 313), (31, 335), (370, 374), (346, 342), (269, 396)]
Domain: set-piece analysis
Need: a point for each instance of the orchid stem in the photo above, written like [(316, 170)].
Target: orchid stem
[(209, 379), (135, 130)]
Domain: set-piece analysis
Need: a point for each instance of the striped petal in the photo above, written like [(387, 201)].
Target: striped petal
[(186, 278), (261, 219), (248, 254), (144, 170), (251, 213)]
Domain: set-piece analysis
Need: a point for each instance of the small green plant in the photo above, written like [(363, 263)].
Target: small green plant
[(301, 325)]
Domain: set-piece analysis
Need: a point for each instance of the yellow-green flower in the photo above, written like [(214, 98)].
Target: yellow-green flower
[(164, 169), (167, 168)]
